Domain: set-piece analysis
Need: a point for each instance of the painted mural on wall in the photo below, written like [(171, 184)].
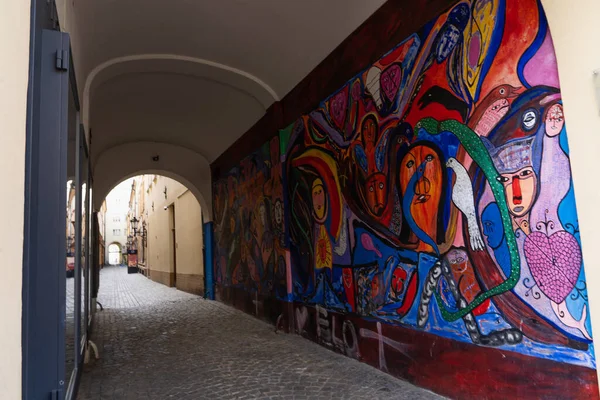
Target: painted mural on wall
[(434, 191), (250, 249)]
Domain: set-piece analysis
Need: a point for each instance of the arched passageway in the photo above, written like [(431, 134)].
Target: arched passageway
[(177, 103), (114, 254)]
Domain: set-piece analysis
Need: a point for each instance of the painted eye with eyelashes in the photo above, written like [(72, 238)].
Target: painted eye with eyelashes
[(525, 173)]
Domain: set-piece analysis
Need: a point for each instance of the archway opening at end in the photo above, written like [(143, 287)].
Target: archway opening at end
[(114, 254), (153, 225)]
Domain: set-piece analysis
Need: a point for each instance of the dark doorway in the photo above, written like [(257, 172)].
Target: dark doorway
[(173, 246)]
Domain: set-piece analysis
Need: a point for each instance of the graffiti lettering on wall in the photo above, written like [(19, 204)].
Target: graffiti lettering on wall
[(434, 191), (249, 225)]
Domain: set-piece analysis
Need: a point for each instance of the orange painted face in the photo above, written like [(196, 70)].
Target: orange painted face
[(376, 192), (428, 187)]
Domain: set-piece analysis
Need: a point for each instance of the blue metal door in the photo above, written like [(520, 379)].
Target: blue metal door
[(44, 255)]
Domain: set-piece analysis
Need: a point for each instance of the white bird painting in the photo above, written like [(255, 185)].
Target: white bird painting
[(462, 197)]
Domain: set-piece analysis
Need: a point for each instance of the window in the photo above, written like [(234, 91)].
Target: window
[(116, 232)]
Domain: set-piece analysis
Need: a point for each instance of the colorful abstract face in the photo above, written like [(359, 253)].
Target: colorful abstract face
[(492, 225), (554, 120), (520, 188), (424, 161), (398, 280), (369, 133), (319, 200), (278, 211), (376, 187), (447, 43), (262, 212)]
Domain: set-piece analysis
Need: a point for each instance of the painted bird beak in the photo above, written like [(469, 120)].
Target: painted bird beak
[(515, 91)]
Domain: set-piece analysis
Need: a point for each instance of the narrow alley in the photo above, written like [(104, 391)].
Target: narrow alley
[(157, 342)]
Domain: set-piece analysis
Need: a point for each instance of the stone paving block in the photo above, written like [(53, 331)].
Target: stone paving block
[(159, 343)]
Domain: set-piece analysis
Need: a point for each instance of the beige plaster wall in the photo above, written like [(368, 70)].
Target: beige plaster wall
[(14, 43), (188, 221), (188, 227)]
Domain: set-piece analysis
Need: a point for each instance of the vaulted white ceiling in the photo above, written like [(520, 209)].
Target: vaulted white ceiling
[(195, 73)]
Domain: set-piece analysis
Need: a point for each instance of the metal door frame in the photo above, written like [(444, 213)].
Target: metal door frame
[(44, 256)]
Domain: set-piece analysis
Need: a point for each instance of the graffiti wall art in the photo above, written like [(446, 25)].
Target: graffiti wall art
[(432, 192), (434, 189), (250, 249)]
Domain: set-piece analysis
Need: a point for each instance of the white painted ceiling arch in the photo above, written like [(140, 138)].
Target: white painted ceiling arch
[(130, 159), (188, 110), (175, 64)]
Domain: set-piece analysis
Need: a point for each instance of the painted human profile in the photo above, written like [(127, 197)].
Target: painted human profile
[(319, 200)]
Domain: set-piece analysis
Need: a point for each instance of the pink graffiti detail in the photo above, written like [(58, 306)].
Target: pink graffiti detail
[(491, 117), (390, 81), (542, 69), (339, 107), (474, 50), (554, 261), (368, 244)]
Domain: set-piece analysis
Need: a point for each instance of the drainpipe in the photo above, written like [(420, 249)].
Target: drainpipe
[(209, 291)]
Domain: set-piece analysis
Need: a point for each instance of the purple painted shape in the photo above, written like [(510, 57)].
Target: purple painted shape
[(368, 244), (390, 81), (542, 68), (474, 50), (554, 262)]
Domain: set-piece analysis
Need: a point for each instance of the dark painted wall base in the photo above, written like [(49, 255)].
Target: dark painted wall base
[(166, 278), (448, 367), (191, 283)]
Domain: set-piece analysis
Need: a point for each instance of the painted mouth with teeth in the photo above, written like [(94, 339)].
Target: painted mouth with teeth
[(422, 198)]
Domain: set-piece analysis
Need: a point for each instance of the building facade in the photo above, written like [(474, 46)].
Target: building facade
[(168, 239)]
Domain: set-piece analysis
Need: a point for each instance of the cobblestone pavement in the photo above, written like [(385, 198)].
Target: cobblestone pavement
[(159, 343)]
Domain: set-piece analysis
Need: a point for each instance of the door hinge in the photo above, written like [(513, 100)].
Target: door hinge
[(62, 60)]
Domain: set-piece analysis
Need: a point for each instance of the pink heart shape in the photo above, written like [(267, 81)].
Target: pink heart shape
[(390, 81), (554, 263), (338, 106)]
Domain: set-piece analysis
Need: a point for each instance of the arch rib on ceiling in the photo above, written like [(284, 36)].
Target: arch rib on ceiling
[(267, 95)]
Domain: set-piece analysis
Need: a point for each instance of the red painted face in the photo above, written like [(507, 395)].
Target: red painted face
[(375, 286), (347, 276), (398, 280), (376, 193)]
